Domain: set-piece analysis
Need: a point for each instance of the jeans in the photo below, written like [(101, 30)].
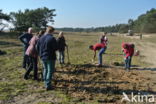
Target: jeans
[(61, 57), (32, 66), (49, 69), (128, 62), (102, 50)]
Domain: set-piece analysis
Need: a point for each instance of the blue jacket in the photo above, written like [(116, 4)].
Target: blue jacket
[(25, 38), (46, 47)]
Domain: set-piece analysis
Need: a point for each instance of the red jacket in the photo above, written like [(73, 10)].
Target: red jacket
[(127, 49), (131, 50), (98, 46)]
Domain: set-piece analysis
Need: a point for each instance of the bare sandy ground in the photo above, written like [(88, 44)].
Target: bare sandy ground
[(147, 51)]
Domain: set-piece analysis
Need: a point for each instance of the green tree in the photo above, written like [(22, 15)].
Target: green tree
[(3, 17), (146, 22), (130, 23), (37, 18)]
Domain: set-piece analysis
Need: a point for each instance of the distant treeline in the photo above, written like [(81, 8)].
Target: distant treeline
[(144, 23), (39, 19)]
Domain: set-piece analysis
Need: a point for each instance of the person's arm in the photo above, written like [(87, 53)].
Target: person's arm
[(38, 46), (106, 39), (122, 50), (66, 45), (55, 44), (21, 38)]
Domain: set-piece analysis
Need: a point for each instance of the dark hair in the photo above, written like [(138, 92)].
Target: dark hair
[(105, 32), (50, 29), (91, 47), (41, 33), (125, 46), (132, 45)]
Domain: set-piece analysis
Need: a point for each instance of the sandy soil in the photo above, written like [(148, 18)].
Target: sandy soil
[(147, 52)]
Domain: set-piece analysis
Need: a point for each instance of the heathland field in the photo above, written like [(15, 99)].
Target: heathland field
[(80, 81)]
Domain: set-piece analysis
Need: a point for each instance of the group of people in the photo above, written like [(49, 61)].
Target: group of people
[(44, 45), (127, 49)]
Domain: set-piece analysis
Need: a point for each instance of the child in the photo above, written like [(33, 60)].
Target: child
[(61, 47), (128, 50), (101, 47)]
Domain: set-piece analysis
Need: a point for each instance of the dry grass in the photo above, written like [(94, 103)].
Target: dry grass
[(78, 83)]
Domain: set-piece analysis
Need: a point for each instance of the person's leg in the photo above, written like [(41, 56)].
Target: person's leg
[(28, 61), (24, 62), (126, 63), (102, 50), (44, 70), (51, 69), (35, 68), (59, 56), (62, 57), (30, 68), (130, 61), (105, 49), (24, 58)]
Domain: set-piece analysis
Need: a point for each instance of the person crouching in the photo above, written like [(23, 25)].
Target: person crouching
[(128, 50)]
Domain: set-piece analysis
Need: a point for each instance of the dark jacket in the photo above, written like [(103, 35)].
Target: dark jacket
[(46, 47), (25, 38), (61, 43)]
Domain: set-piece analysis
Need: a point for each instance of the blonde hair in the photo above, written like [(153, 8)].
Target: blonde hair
[(60, 34), (50, 29)]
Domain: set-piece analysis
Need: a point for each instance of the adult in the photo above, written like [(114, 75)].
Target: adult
[(33, 56), (128, 50), (101, 47), (104, 39), (25, 38), (61, 47), (47, 46)]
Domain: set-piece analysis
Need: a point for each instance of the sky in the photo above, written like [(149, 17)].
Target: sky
[(85, 13)]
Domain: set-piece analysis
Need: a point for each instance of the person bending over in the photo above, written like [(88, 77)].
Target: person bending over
[(101, 48)]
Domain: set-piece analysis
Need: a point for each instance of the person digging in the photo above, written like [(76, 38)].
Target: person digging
[(101, 47)]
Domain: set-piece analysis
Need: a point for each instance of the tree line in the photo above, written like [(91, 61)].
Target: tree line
[(39, 18), (144, 23)]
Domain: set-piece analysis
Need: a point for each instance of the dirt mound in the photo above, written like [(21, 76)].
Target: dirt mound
[(87, 82)]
